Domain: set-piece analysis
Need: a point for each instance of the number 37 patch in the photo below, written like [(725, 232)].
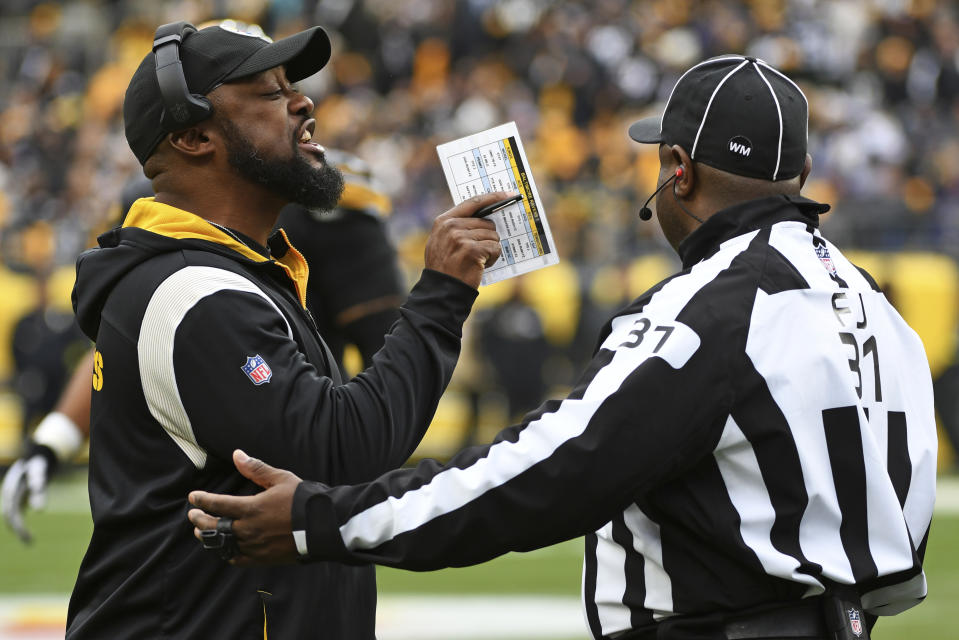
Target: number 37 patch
[(672, 341)]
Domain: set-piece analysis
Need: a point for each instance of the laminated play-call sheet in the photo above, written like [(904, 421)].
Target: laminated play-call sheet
[(494, 160)]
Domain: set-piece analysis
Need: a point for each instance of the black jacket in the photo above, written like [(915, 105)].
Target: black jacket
[(204, 346)]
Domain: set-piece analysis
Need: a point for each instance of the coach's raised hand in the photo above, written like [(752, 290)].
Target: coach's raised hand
[(462, 246), (262, 526)]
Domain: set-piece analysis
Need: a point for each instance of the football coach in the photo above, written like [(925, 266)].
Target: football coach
[(204, 344), (751, 452)]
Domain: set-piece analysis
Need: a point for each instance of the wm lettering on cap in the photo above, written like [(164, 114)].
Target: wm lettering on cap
[(257, 370), (720, 106), (741, 145)]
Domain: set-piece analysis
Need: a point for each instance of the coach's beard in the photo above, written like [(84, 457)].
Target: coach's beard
[(294, 179)]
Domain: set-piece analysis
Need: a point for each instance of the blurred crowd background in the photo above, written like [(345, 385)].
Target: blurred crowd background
[(882, 78)]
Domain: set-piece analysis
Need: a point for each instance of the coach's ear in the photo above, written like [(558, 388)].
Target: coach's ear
[(194, 142)]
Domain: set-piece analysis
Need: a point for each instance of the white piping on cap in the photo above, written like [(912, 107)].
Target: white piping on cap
[(692, 154), (779, 114), (789, 80), (696, 66)]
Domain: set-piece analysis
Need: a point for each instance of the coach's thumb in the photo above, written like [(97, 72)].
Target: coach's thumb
[(257, 470)]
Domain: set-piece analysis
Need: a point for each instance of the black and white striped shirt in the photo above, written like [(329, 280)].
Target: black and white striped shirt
[(756, 429)]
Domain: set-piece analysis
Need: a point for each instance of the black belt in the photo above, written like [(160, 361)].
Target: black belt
[(805, 619)]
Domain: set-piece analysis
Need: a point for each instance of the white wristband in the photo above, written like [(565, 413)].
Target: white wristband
[(59, 432)]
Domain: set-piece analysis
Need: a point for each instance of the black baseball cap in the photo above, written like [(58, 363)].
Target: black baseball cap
[(736, 114), (212, 56)]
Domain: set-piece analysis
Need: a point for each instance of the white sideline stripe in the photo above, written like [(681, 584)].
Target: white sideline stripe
[(170, 303), (947, 496), (399, 617), (418, 617)]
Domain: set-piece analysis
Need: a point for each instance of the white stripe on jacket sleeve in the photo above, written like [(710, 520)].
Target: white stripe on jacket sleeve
[(170, 303)]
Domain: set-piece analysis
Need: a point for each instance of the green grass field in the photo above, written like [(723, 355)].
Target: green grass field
[(49, 566)]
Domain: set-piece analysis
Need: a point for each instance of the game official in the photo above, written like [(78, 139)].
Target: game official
[(751, 452)]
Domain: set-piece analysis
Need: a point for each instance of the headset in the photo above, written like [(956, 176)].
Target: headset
[(181, 108), (646, 213)]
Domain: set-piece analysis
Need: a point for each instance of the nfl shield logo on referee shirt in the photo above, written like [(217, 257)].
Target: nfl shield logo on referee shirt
[(257, 370), (855, 623), (825, 258)]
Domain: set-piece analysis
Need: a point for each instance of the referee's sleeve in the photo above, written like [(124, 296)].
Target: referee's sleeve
[(641, 413)]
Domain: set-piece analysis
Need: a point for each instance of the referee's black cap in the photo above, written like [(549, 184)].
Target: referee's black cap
[(212, 56), (737, 114)]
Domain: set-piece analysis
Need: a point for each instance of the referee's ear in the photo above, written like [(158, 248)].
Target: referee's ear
[(686, 183), (806, 170)]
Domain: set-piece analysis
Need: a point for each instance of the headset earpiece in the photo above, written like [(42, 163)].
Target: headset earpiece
[(646, 213), (181, 108)]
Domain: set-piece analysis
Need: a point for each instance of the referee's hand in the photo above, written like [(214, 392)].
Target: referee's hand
[(262, 525), (462, 246)]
